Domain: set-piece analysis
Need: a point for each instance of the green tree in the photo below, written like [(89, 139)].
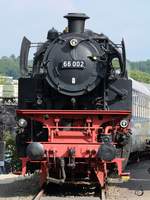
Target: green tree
[(143, 66), (9, 138), (9, 66), (140, 76)]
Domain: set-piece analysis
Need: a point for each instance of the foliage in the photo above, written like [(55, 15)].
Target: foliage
[(2, 80), (143, 66), (140, 76), (9, 66), (11, 147), (5, 80)]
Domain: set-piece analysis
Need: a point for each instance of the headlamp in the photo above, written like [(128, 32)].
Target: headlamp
[(123, 123), (22, 123)]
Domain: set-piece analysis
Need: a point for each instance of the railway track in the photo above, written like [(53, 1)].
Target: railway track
[(136, 188), (25, 188), (53, 191), (39, 195)]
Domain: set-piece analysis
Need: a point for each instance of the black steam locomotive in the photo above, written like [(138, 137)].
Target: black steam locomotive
[(74, 105), (75, 70)]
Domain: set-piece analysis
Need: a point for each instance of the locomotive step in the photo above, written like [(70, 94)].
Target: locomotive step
[(124, 178)]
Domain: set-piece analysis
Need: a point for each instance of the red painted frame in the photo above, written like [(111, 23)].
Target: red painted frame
[(81, 138)]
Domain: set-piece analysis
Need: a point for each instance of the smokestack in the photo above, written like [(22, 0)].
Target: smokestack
[(76, 22)]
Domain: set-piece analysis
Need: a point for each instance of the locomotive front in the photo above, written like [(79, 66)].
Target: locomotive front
[(74, 59), (76, 114)]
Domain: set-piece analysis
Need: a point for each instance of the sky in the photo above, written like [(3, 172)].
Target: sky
[(129, 19)]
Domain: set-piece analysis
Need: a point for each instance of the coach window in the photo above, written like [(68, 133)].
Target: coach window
[(133, 97), (138, 105), (144, 104), (148, 108), (145, 107), (141, 105), (134, 94), (135, 103)]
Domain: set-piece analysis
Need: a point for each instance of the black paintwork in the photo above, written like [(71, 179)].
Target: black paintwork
[(93, 84)]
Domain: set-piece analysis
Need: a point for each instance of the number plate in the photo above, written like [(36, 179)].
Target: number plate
[(74, 64)]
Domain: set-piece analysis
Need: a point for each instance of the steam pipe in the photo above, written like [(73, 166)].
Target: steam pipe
[(63, 173)]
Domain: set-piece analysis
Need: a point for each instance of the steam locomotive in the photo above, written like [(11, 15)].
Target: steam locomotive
[(75, 106)]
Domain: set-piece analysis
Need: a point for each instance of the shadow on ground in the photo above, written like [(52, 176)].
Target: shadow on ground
[(140, 176), (29, 186), (71, 190)]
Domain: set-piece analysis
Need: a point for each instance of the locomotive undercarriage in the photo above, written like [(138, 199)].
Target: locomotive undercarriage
[(85, 151)]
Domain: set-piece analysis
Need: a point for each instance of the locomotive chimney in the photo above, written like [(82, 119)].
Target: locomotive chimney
[(76, 22)]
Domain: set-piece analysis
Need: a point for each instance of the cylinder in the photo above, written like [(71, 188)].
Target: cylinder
[(76, 22)]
